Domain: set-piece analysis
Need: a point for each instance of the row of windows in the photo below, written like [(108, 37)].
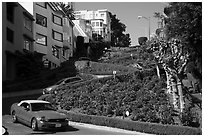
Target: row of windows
[(27, 44), (10, 16), (42, 20), (97, 24), (78, 15), (56, 52), (42, 39)]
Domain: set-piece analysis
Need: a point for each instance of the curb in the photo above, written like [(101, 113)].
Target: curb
[(106, 128)]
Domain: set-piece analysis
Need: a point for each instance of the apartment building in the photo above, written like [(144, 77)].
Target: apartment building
[(100, 20), (53, 33), (17, 35)]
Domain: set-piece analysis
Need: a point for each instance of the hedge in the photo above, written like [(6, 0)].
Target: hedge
[(144, 127)]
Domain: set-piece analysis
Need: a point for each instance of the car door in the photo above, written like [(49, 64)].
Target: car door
[(25, 112)]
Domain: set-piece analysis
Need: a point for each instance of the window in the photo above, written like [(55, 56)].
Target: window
[(25, 106), (9, 35), (10, 12), (97, 24), (41, 20), (27, 23), (57, 20), (41, 39), (27, 44), (93, 24), (55, 51), (63, 52), (101, 24), (57, 36), (41, 4), (102, 15)]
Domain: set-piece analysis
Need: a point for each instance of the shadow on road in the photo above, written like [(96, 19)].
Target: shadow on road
[(67, 129)]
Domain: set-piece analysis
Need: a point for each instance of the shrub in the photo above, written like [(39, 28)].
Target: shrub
[(189, 118), (144, 127)]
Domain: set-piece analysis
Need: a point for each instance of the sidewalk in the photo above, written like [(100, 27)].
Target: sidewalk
[(21, 93), (106, 128)]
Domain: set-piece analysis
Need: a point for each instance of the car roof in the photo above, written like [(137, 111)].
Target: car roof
[(33, 101)]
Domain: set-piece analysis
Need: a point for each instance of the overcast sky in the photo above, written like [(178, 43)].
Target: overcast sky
[(126, 12)]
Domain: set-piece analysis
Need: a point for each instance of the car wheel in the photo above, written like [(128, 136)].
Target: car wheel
[(34, 124), (14, 117)]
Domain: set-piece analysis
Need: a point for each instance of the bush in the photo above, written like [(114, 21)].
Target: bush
[(142, 40), (190, 118), (132, 125)]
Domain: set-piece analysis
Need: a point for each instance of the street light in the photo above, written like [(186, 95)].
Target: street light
[(139, 17)]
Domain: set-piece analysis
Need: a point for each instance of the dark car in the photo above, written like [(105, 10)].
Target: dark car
[(84, 59), (38, 115), (70, 80)]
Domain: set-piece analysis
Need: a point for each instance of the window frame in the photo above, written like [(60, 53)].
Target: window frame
[(43, 36), (26, 19), (43, 17), (55, 49), (8, 37), (53, 19), (30, 44), (10, 17), (97, 24), (53, 36), (41, 5)]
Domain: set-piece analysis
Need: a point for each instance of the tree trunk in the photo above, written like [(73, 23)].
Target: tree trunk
[(158, 72), (168, 83), (175, 97), (180, 92)]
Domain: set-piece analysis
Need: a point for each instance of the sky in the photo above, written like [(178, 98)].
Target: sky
[(127, 13)]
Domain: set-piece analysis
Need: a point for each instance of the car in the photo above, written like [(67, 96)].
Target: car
[(84, 59), (38, 114), (70, 80)]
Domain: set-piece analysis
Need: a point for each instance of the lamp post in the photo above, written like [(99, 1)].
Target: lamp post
[(139, 17)]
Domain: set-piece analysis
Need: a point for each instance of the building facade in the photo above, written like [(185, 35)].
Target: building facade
[(53, 33), (100, 20), (83, 28), (17, 35)]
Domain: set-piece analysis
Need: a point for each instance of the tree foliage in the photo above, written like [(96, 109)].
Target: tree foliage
[(142, 40), (118, 37), (67, 9), (185, 23)]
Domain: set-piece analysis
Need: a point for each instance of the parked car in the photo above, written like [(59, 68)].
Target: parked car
[(70, 80), (84, 59), (38, 114)]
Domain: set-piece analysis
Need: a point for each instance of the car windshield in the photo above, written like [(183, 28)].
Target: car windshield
[(41, 106), (72, 79), (59, 82)]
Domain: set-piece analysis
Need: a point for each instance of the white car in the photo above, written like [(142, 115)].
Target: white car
[(38, 114)]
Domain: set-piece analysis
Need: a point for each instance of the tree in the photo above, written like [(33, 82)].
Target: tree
[(171, 56), (185, 23), (67, 9), (183, 30), (142, 40), (118, 38)]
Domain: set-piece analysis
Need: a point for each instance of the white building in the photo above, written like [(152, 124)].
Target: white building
[(100, 20)]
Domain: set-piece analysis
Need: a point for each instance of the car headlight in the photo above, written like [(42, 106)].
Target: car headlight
[(43, 119), (48, 89)]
